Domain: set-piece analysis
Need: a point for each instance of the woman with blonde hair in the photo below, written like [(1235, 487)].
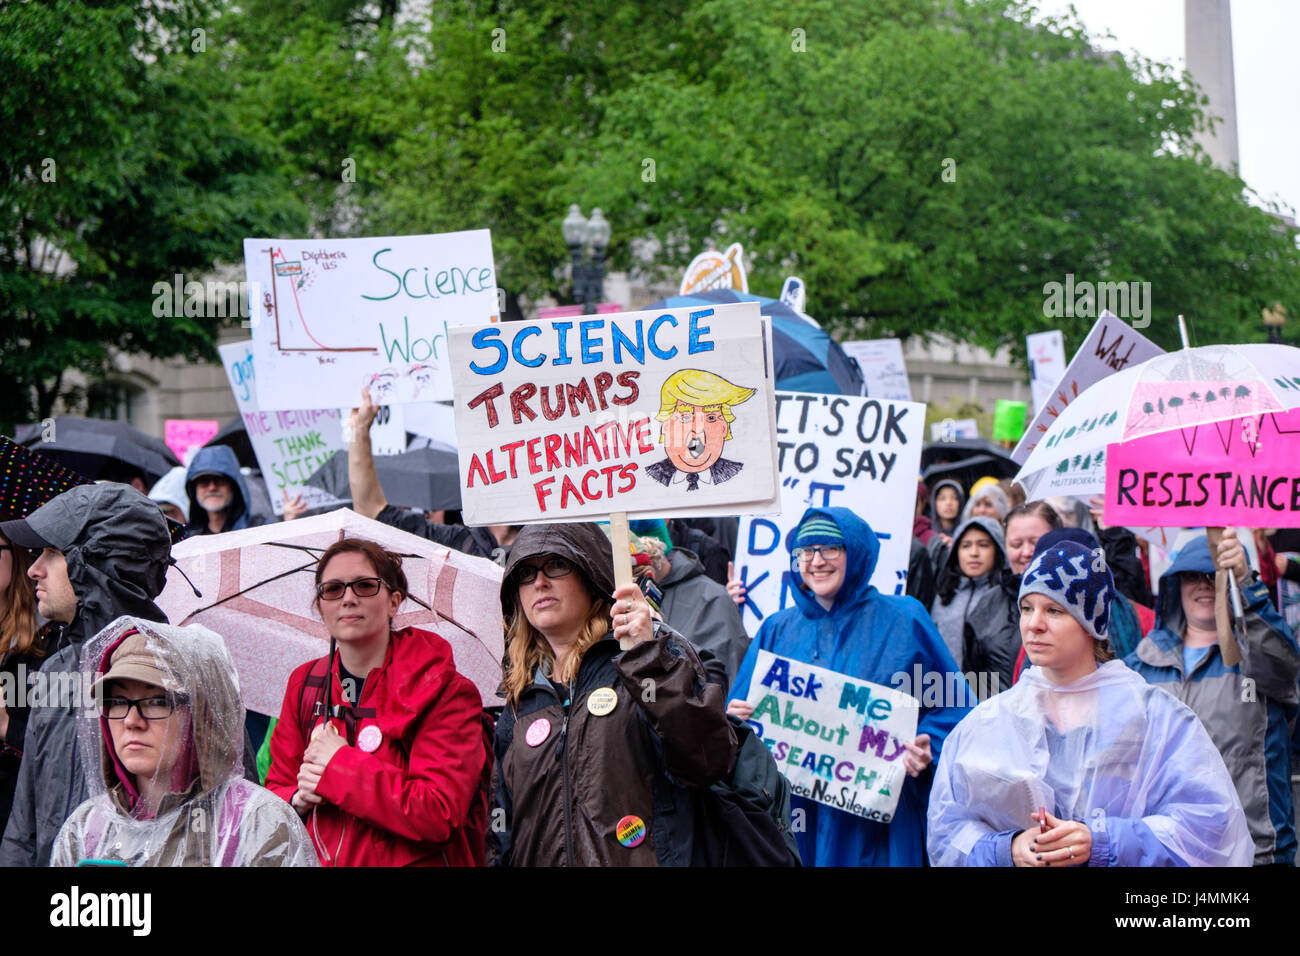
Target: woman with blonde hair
[(595, 738), (21, 652)]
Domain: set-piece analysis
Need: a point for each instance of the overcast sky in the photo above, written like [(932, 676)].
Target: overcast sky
[(1266, 60)]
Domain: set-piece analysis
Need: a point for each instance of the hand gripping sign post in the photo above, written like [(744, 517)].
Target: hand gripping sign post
[(333, 315), (653, 414)]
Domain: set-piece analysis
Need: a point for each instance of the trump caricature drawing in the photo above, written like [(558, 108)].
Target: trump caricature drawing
[(695, 408)]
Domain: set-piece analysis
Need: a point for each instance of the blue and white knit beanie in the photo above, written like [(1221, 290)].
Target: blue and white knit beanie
[(1077, 578), (817, 528)]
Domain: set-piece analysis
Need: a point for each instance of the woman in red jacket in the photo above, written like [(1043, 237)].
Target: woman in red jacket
[(380, 744)]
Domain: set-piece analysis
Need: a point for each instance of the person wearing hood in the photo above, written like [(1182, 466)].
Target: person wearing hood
[(841, 623), (611, 726), (975, 604), (105, 553), (172, 496), (163, 748), (946, 501), (1248, 707), (1081, 763), (987, 499), (381, 745), (217, 492)]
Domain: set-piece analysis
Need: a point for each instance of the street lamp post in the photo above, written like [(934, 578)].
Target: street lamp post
[(588, 279)]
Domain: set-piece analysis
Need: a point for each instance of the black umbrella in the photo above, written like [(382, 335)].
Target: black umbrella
[(970, 470), (426, 478), (234, 434), (947, 452), (99, 448)]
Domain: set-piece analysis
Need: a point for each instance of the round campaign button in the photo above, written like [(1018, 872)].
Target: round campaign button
[(538, 731), (370, 738), (602, 701), (630, 831)]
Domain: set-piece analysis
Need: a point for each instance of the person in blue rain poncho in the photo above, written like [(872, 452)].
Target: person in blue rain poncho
[(1082, 762), (841, 623)]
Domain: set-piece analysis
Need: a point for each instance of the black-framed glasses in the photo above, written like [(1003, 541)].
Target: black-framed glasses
[(361, 587), (153, 707), (829, 552), (554, 567)]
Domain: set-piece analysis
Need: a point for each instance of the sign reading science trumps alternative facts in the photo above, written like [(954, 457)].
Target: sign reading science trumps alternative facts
[(332, 316), (656, 413), (839, 740)]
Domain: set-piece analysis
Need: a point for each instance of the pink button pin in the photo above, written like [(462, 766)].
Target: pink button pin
[(370, 738), (538, 731)]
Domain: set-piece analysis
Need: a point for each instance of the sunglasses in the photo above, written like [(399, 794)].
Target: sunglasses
[(554, 567), (361, 587)]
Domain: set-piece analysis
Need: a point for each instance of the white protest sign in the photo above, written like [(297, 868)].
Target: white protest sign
[(858, 453), (290, 445), (653, 413), (1110, 347), (336, 315), (839, 740), (883, 368), (1046, 365), (951, 429), (388, 432)]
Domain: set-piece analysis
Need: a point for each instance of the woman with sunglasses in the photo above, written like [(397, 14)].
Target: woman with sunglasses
[(599, 744), (163, 748), (380, 745)]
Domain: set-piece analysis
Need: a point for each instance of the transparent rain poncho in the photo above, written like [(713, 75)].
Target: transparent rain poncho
[(195, 808), (1109, 750)]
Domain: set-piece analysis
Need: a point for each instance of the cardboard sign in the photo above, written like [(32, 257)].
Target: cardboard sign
[(839, 740), (1046, 365), (859, 453), (1241, 471), (1008, 420), (883, 368), (653, 413), (335, 315), (185, 436), (1111, 346), (716, 270)]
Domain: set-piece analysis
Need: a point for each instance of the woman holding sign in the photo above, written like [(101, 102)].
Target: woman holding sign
[(843, 624), (1081, 762), (596, 742)]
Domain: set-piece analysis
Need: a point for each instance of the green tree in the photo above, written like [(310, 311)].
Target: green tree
[(123, 165)]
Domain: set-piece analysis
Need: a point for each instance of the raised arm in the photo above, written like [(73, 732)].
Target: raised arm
[(367, 495)]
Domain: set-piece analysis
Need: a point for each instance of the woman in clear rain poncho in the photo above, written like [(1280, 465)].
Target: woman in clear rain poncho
[(1081, 762), (162, 741)]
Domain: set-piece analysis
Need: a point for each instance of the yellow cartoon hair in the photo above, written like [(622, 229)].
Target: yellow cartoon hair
[(695, 388)]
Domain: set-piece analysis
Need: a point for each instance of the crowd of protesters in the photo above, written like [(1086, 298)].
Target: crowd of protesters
[(1107, 722)]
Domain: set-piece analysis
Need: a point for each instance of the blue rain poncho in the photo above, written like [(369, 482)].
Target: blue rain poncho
[(1109, 750), (880, 638)]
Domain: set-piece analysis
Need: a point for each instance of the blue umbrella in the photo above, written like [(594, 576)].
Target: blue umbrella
[(807, 358)]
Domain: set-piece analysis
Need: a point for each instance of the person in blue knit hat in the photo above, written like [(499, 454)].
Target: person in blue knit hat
[(841, 623), (1081, 763), (1248, 707)]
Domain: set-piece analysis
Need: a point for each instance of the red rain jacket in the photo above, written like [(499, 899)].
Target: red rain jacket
[(415, 800)]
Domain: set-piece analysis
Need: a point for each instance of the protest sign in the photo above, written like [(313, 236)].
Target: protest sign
[(289, 445), (951, 429), (1110, 347), (839, 740), (883, 368), (185, 436), (712, 269), (1008, 420), (1239, 471), (858, 453), (336, 315), (1046, 365), (651, 413)]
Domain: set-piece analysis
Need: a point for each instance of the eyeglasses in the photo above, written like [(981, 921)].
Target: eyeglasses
[(1198, 577), (551, 567), (829, 552), (150, 708), (361, 587)]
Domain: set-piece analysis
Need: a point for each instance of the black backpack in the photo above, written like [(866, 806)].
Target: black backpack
[(744, 819)]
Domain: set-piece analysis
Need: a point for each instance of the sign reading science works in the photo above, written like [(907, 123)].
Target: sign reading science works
[(336, 315), (839, 740), (661, 413)]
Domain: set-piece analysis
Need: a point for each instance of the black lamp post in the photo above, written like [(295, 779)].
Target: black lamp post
[(588, 279)]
